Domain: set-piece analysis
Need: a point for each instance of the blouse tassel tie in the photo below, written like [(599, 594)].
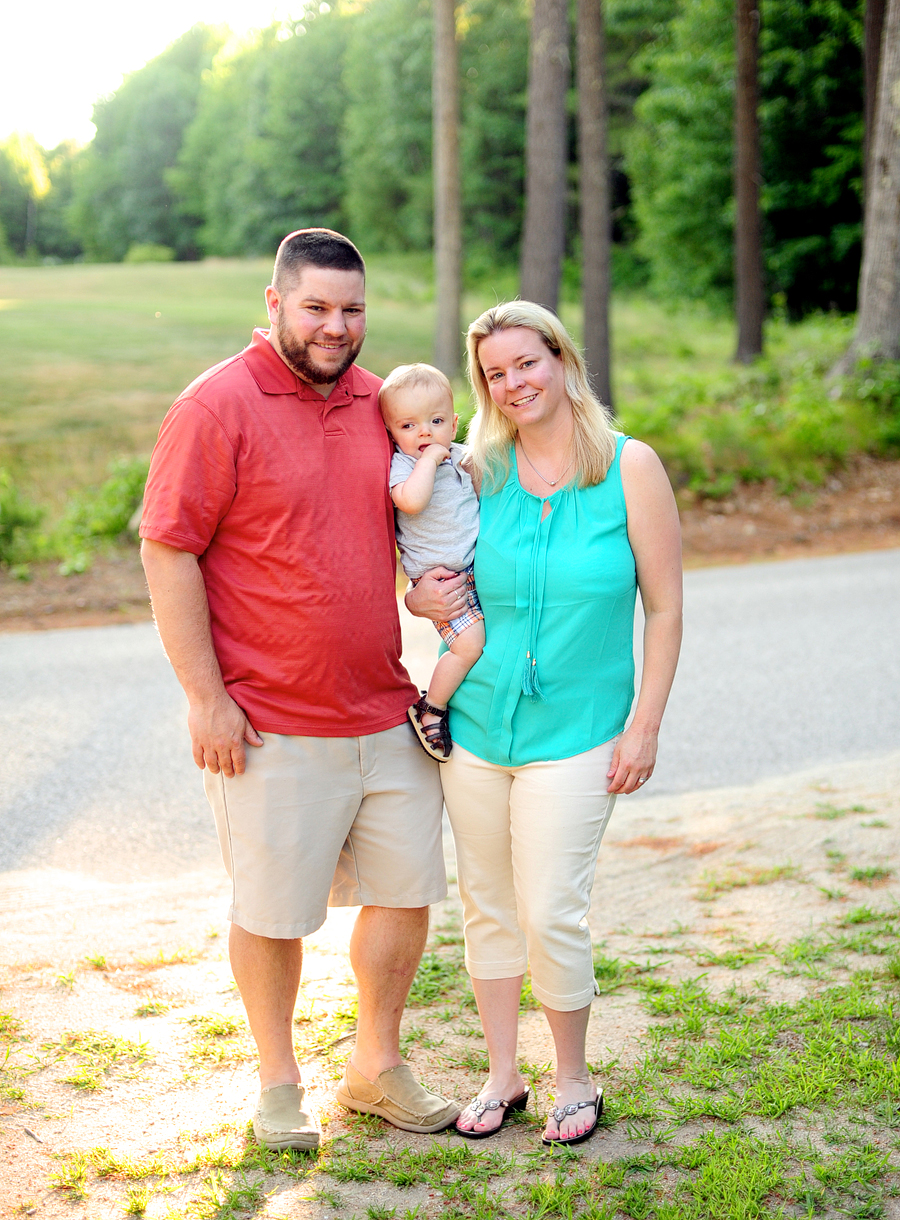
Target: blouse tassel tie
[(537, 581)]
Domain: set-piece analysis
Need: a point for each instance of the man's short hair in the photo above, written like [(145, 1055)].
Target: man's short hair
[(412, 376), (314, 248)]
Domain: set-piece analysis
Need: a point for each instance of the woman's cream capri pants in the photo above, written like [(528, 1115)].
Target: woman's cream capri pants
[(527, 840)]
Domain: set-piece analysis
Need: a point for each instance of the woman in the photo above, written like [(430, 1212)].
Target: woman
[(574, 519)]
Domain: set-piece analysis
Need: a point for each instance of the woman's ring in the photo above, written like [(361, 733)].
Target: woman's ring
[(642, 781)]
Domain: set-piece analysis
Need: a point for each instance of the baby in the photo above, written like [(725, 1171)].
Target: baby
[(437, 525)]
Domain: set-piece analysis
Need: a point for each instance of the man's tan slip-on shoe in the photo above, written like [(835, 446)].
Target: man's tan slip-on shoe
[(396, 1096), (280, 1121)]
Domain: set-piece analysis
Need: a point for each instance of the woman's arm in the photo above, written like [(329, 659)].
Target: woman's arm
[(654, 532)]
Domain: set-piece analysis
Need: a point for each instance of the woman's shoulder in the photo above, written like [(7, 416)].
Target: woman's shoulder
[(635, 454), (643, 474)]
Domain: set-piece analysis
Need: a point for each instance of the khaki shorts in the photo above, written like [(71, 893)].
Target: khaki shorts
[(329, 821)]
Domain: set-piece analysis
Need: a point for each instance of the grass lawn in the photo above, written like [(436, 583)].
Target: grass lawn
[(92, 356), (746, 1034), (775, 1096)]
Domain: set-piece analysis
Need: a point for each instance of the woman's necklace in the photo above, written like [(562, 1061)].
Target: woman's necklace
[(549, 482)]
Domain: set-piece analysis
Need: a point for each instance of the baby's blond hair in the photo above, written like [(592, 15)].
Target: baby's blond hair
[(411, 377)]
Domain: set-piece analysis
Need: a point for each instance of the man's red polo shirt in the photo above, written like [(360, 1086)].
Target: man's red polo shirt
[(283, 495)]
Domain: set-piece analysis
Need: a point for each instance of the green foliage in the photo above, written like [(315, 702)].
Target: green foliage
[(55, 241), (104, 512), (97, 515), (23, 180), (811, 81), (146, 252), (121, 194), (778, 419), (680, 152), (387, 137), (262, 157), (494, 80), (18, 518)]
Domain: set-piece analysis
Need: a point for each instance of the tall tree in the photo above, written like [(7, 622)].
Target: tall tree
[(24, 184), (543, 234), (681, 163), (263, 155), (594, 193), (122, 192), (750, 301), (447, 207), (873, 25), (877, 332)]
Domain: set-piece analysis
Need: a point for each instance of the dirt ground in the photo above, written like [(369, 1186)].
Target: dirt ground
[(858, 510), (675, 887)]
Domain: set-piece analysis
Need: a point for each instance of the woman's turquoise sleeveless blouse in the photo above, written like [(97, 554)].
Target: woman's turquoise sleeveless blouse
[(557, 674)]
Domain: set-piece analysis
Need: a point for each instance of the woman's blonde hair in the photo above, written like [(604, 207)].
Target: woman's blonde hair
[(491, 434)]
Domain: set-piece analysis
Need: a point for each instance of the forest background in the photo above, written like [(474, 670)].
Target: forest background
[(219, 146)]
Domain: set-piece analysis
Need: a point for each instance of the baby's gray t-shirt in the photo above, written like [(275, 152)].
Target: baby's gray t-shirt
[(443, 534)]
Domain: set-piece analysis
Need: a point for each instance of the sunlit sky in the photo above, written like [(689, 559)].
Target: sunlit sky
[(57, 58)]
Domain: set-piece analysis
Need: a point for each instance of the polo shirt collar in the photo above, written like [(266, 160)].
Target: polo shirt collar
[(273, 376)]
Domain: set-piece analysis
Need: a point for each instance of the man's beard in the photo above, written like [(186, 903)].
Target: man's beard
[(296, 354)]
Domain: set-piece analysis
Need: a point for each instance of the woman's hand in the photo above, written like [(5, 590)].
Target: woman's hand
[(633, 761), (440, 595)]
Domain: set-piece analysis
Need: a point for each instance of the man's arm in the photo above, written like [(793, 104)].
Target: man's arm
[(217, 725)]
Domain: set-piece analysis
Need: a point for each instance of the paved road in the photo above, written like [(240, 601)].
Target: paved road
[(784, 666)]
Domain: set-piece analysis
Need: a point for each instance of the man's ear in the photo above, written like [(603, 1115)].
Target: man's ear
[(273, 300)]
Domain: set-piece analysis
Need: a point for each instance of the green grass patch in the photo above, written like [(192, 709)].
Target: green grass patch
[(11, 1028), (327, 1036), (441, 976), (829, 813), (872, 874), (96, 1054), (714, 884), (220, 1040), (152, 1007)]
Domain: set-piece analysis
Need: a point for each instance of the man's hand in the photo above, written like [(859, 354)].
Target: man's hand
[(440, 595), (218, 726), (218, 731)]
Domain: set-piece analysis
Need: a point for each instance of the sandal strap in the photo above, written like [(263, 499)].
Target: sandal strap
[(437, 734), (572, 1108), (424, 706), (479, 1105)]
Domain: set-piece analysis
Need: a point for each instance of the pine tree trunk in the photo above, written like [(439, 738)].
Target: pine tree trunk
[(594, 194), (748, 263), (874, 24), (447, 206), (544, 235), (878, 320)]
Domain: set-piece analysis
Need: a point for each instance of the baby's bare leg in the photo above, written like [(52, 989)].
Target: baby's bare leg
[(453, 667)]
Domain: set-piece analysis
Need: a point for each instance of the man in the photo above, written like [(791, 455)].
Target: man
[(269, 552)]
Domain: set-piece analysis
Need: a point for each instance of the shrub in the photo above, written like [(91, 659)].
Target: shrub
[(146, 252), (104, 512), (18, 518)]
